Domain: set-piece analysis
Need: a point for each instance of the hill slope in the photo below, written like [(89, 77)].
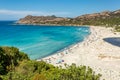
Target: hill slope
[(106, 18)]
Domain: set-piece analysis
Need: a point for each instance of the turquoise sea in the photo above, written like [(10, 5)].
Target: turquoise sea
[(40, 41)]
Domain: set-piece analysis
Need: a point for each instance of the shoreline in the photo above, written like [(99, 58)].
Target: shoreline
[(69, 25), (101, 56), (66, 48)]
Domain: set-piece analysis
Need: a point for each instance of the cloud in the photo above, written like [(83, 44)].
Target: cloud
[(24, 13)]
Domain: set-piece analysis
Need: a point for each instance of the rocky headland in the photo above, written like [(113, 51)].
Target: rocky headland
[(29, 19), (105, 18)]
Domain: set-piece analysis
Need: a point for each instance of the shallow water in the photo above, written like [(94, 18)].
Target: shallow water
[(40, 41)]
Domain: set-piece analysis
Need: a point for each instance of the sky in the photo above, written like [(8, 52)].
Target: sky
[(15, 9)]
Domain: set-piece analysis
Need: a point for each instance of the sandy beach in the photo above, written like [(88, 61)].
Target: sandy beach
[(101, 56)]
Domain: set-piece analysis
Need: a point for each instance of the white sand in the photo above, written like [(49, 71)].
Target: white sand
[(101, 56)]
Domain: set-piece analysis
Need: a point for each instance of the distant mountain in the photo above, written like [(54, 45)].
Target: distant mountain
[(41, 19), (106, 18)]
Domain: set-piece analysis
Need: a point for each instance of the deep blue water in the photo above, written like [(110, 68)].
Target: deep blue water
[(40, 41), (113, 40)]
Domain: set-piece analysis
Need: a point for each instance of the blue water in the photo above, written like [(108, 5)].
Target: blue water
[(40, 41)]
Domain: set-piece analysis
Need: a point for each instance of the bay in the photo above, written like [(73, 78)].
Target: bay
[(39, 41)]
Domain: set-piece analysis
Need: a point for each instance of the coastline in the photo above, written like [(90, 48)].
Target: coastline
[(101, 56), (74, 25)]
